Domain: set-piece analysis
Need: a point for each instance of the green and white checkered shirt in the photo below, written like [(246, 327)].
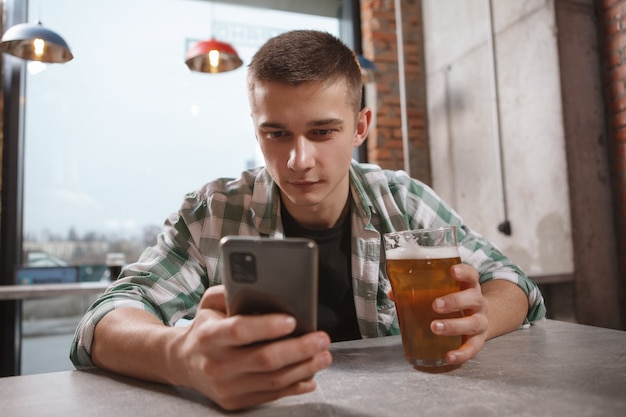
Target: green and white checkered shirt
[(169, 279)]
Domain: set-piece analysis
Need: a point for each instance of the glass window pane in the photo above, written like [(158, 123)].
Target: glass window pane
[(117, 136)]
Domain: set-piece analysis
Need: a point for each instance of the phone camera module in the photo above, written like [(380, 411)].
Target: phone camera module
[(243, 267)]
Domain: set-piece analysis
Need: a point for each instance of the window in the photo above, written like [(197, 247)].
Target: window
[(116, 137)]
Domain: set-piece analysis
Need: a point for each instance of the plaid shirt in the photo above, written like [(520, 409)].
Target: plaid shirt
[(169, 279)]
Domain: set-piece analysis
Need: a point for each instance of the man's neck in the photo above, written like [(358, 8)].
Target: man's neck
[(318, 217)]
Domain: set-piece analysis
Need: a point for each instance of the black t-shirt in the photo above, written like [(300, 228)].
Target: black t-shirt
[(336, 314)]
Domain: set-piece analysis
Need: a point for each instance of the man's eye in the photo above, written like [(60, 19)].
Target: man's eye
[(276, 135), (324, 132)]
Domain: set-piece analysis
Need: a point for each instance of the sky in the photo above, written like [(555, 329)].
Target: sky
[(117, 136)]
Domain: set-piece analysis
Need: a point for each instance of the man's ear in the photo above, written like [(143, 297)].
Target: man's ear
[(362, 126)]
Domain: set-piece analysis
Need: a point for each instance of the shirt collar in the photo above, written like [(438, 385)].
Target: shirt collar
[(265, 204)]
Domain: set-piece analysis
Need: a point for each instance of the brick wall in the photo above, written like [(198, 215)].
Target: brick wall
[(379, 42), (612, 34)]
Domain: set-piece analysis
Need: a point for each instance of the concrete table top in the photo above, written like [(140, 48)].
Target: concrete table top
[(552, 369)]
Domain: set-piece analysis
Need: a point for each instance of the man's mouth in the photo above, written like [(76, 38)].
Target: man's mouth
[(303, 183)]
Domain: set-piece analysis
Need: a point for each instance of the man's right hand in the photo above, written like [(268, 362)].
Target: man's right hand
[(232, 360)]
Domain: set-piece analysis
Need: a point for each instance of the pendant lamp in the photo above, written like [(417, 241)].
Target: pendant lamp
[(368, 68), (212, 56), (33, 42)]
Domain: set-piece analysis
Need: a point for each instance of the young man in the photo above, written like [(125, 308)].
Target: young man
[(305, 95)]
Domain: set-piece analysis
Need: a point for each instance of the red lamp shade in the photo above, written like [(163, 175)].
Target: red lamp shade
[(212, 56)]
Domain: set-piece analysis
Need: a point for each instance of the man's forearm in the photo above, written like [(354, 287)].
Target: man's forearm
[(507, 306), (133, 342)]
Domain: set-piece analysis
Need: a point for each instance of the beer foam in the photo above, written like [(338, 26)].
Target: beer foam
[(422, 252)]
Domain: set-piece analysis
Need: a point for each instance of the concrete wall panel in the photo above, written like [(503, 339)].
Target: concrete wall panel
[(460, 81)]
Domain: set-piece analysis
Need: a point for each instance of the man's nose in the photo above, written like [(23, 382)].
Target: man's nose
[(301, 157)]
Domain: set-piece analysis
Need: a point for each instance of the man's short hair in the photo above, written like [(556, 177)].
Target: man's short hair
[(307, 56)]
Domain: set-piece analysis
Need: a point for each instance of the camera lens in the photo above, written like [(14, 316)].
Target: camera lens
[(243, 267)]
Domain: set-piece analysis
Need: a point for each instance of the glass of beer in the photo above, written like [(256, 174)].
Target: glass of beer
[(418, 266)]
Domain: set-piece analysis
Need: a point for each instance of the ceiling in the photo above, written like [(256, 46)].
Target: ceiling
[(329, 8)]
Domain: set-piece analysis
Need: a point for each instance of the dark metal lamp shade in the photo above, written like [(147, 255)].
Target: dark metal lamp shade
[(35, 43), (368, 68)]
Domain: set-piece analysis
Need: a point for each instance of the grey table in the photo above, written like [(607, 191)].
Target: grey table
[(553, 369)]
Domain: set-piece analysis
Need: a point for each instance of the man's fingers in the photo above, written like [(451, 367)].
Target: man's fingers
[(214, 298), (251, 399), (467, 300), (467, 351), (469, 326), (465, 274), (211, 328), (272, 370), (278, 355), (279, 380)]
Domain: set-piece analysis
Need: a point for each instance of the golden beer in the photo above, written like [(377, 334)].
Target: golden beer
[(418, 276)]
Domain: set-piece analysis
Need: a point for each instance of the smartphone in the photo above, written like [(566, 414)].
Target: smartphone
[(263, 275)]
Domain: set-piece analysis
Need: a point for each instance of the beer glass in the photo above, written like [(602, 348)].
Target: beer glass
[(418, 266)]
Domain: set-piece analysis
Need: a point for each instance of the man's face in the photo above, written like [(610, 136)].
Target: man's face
[(307, 134)]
